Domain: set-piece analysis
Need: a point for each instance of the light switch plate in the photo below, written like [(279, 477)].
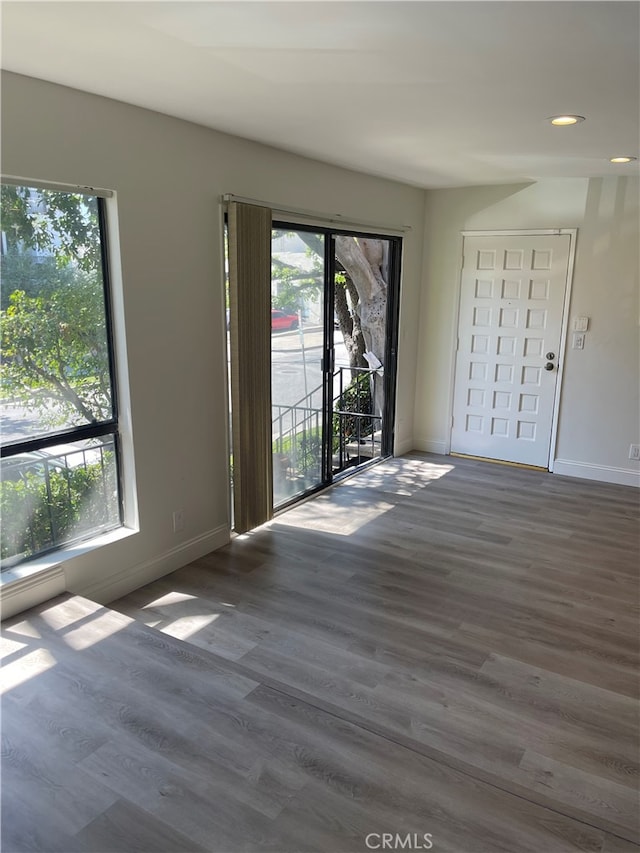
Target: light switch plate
[(581, 324)]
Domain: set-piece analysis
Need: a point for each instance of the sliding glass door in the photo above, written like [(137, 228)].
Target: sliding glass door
[(333, 354), (365, 351), (298, 295)]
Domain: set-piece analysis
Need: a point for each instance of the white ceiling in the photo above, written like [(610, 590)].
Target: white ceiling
[(430, 93)]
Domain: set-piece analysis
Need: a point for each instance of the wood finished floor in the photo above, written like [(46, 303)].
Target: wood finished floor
[(437, 646)]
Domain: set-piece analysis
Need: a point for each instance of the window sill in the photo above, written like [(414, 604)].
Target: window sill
[(24, 585)]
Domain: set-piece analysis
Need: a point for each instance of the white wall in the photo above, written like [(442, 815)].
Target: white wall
[(168, 176), (600, 403)]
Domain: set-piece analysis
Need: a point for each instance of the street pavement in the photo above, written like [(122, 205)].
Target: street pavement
[(296, 363)]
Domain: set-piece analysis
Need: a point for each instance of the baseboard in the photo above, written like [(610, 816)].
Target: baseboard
[(428, 445), (132, 578), (602, 473), (29, 591)]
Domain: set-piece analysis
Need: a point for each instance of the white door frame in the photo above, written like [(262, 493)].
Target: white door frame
[(523, 232)]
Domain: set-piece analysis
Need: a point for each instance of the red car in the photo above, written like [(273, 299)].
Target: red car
[(280, 320)]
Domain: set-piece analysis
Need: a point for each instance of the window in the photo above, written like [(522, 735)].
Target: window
[(59, 480)]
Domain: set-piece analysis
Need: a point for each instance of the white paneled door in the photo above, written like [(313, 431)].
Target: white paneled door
[(509, 333)]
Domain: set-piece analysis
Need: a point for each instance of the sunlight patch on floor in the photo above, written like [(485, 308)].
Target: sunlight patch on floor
[(344, 510), (24, 668), (170, 598), (9, 647), (187, 626), (329, 518), (405, 478), (63, 615), (24, 629), (101, 627)]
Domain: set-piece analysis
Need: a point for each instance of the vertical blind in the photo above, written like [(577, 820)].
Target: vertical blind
[(250, 335)]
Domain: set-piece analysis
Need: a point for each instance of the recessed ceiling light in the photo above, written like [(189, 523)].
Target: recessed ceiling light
[(565, 121), (624, 159)]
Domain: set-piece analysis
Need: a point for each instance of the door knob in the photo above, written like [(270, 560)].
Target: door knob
[(550, 356), (548, 365)]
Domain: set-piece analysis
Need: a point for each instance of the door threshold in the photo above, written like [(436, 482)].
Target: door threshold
[(499, 461)]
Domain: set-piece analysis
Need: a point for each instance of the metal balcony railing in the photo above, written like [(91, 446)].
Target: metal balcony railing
[(49, 500), (297, 436), (356, 429)]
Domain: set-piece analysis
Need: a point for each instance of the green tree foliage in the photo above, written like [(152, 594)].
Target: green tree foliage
[(355, 399), (55, 352), (38, 514), (62, 224), (302, 450), (347, 304), (36, 277), (292, 288), (294, 284), (54, 340)]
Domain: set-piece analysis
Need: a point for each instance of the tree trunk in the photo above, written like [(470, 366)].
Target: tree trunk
[(349, 323), (366, 263)]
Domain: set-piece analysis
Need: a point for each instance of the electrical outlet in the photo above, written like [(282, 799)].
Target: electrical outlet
[(578, 340), (634, 451), (178, 520)]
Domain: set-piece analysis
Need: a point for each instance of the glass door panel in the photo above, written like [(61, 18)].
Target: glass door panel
[(363, 271), (298, 296), (333, 354)]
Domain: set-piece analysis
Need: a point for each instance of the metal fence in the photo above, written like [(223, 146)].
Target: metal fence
[(49, 500), (356, 429)]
